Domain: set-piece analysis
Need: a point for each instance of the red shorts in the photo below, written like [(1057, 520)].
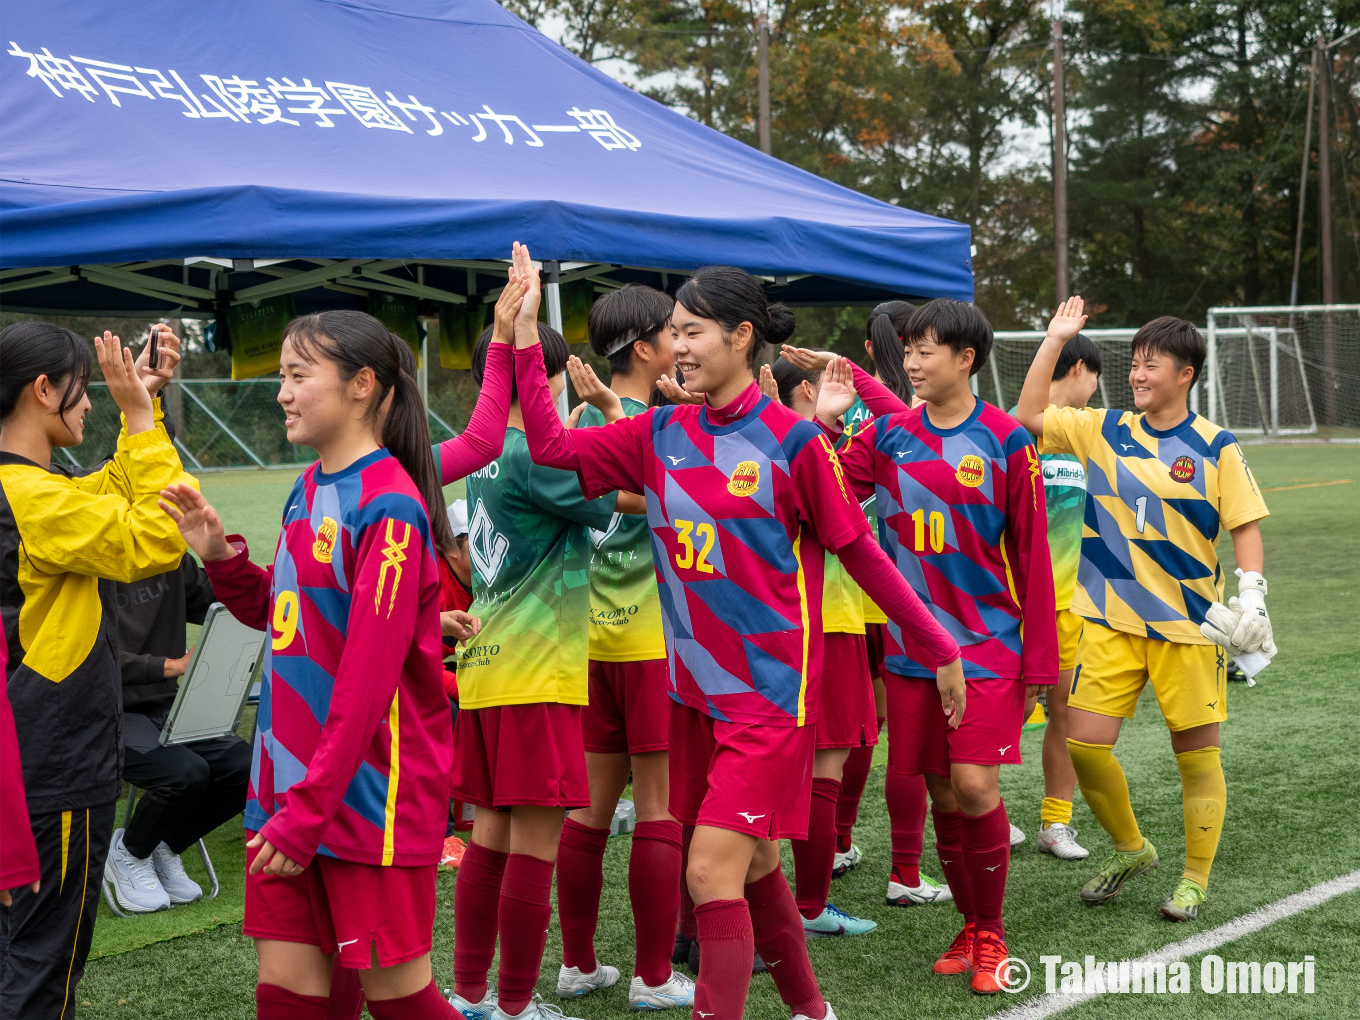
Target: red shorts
[(845, 716), (357, 909), (873, 639), (739, 776), (520, 754), (919, 737), (629, 710)]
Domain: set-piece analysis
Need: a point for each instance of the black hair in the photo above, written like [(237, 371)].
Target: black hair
[(1079, 348), (731, 296), (787, 377), (1175, 338), (354, 340), (555, 355), (624, 317), (30, 349), (885, 330), (957, 325)]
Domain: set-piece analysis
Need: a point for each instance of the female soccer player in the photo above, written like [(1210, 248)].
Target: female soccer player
[(64, 540), (625, 723), (845, 716), (743, 497), (349, 796)]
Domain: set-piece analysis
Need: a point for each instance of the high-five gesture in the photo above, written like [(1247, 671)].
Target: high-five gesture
[(1065, 324), (198, 522), (837, 394), (806, 358), (126, 388), (1067, 320), (677, 394), (592, 391), (526, 319), (507, 307)]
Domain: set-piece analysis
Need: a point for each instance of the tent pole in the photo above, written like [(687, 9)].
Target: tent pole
[(553, 291), (423, 369)]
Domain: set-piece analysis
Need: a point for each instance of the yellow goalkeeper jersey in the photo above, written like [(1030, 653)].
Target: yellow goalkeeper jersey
[(1156, 501)]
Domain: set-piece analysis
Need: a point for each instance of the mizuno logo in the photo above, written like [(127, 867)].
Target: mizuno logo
[(1205, 828), (1126, 446), (775, 963), (750, 819), (351, 942), (1213, 703), (1003, 750), (702, 1013), (674, 461), (901, 454), (992, 868), (394, 555)]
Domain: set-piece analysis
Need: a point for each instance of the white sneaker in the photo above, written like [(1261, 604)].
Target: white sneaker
[(830, 1015), (843, 862), (133, 880), (1017, 835), (536, 1010), (572, 984), (174, 880), (1061, 841), (675, 993), (929, 891), (474, 1010)]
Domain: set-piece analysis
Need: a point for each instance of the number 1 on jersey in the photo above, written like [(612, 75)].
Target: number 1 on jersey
[(1141, 522)]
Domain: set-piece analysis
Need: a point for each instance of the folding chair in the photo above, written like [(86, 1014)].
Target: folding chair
[(112, 901)]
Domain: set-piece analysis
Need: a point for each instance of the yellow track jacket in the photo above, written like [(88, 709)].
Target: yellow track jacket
[(64, 540)]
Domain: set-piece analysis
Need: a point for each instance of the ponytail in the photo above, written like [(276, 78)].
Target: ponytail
[(788, 376), (356, 340), (887, 326)]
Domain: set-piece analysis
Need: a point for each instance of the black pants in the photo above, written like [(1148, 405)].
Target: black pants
[(191, 789), (45, 936)]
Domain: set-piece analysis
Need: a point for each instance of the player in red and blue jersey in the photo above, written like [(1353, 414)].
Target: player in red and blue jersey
[(350, 780), (962, 514), (743, 498)]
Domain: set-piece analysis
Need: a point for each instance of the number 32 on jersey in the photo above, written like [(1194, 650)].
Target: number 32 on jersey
[(696, 543)]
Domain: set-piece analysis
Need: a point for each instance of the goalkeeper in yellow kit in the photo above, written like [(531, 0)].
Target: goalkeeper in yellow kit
[(1161, 485)]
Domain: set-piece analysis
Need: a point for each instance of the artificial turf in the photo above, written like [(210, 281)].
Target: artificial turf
[(1290, 760)]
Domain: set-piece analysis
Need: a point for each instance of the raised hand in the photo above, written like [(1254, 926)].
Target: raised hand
[(676, 393), (1067, 320), (837, 394), (198, 522), (953, 690), (806, 359), (507, 307), (120, 372), (526, 319), (767, 384), (592, 391), (169, 344)]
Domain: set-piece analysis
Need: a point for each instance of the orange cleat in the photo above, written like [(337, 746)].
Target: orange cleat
[(454, 848), (958, 958), (990, 971)]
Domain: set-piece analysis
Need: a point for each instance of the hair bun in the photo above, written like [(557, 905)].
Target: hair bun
[(782, 324)]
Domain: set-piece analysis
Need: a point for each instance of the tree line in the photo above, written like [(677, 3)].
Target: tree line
[(1185, 129)]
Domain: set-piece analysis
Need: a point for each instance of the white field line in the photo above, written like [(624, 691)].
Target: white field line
[(1052, 1003)]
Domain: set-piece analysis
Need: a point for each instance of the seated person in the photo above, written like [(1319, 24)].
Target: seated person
[(190, 789)]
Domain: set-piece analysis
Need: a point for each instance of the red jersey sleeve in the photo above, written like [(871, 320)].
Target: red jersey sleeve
[(1026, 549), (822, 495), (484, 438), (869, 567), (880, 400), (18, 852), (241, 586), (610, 457), (856, 457), (382, 616)]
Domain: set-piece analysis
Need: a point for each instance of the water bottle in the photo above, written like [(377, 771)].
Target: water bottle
[(624, 820)]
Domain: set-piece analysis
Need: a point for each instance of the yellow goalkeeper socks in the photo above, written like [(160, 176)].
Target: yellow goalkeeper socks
[(1055, 812), (1106, 791), (1204, 795)]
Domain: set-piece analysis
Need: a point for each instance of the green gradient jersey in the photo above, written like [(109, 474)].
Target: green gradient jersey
[(530, 581), (1065, 496), (625, 608), (856, 420)]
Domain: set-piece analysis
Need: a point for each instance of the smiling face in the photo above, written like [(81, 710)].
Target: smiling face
[(709, 358), (1159, 380), (316, 403), (936, 373)]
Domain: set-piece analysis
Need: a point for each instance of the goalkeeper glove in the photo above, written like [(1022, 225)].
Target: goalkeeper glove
[(1253, 632)]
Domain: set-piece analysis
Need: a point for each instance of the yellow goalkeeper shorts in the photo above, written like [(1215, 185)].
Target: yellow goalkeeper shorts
[(1069, 637), (1190, 681)]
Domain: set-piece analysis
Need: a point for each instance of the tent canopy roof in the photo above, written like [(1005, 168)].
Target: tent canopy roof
[(361, 139)]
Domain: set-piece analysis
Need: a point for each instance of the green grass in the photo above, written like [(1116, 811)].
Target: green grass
[(1288, 753)]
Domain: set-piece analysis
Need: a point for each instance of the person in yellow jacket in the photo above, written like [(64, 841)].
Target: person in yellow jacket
[(64, 540)]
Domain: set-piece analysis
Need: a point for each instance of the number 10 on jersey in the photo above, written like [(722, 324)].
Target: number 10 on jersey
[(936, 528)]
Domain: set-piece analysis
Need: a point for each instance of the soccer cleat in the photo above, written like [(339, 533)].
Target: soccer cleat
[(843, 862), (833, 922), (990, 973), (1061, 841), (830, 1014), (958, 958), (1017, 835), (176, 883), (474, 1010), (133, 880), (572, 984), (1185, 901), (676, 992), (680, 954), (536, 1010), (929, 891), (454, 848), (1118, 868), (758, 965)]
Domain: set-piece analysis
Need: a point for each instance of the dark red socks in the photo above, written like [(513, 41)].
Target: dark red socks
[(654, 890), (525, 912), (853, 777), (906, 797), (728, 949), (476, 904), (949, 845), (778, 932), (580, 878), (987, 854), (813, 857), (274, 1002), (347, 994), (426, 1004)]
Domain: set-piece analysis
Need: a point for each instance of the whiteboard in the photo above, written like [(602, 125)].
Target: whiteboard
[(217, 683)]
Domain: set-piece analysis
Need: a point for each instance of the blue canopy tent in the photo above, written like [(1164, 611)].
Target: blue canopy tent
[(172, 158)]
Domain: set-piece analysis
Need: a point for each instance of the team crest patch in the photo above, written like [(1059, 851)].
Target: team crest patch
[(324, 545), (972, 471), (1183, 469), (745, 479)]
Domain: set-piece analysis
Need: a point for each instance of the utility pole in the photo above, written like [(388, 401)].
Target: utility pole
[(1060, 241), (1325, 226), (763, 48), (1303, 185)]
